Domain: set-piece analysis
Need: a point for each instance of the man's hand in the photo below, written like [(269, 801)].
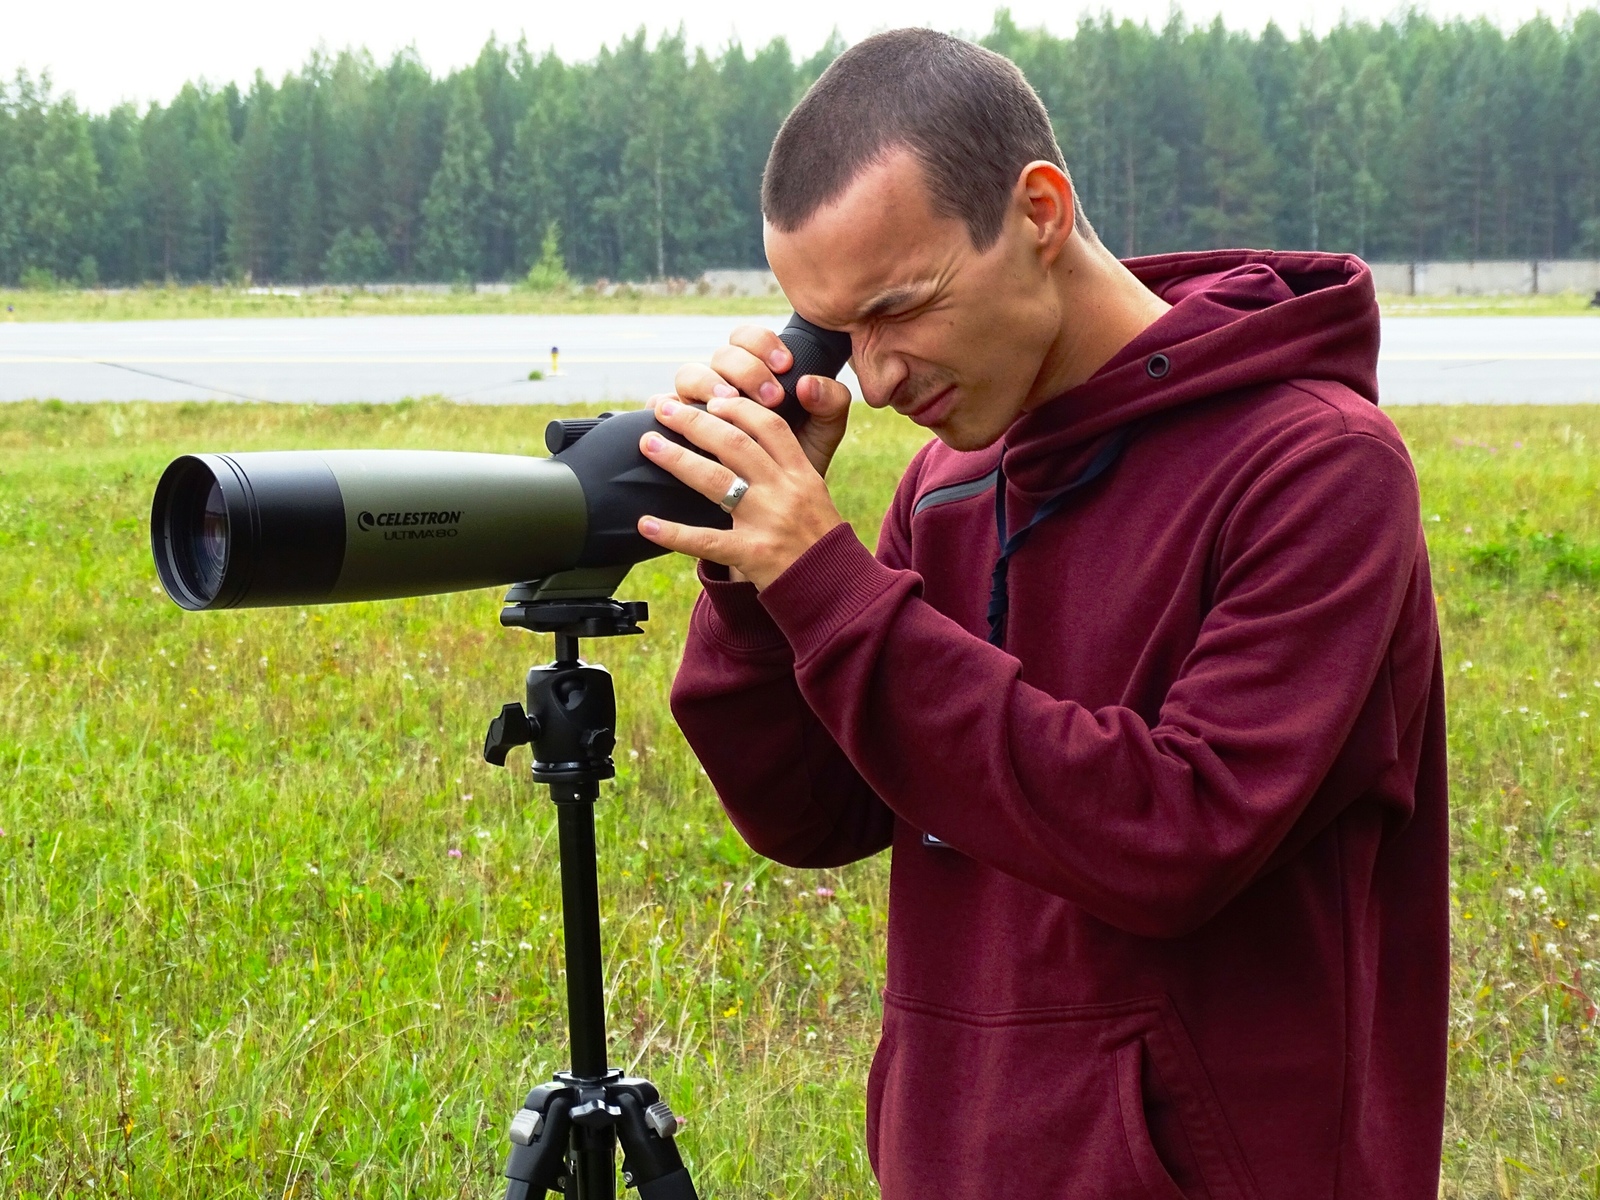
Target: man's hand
[(750, 364), (787, 509)]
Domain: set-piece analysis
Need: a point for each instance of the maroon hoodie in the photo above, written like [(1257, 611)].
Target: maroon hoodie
[(1183, 931)]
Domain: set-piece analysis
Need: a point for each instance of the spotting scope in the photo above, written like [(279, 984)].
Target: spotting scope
[(328, 526)]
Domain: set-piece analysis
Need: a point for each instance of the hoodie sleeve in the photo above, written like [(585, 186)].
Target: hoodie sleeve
[(1152, 828), (786, 784)]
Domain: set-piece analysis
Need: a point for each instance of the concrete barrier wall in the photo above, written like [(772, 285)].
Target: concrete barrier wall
[(1492, 278), (740, 283), (1393, 278), (1571, 275)]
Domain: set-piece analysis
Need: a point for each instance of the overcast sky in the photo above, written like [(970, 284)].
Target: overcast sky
[(105, 51)]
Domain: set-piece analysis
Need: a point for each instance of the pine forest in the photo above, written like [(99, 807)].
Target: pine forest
[(1413, 139)]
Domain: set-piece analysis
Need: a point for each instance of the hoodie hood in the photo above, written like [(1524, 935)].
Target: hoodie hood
[(1239, 319)]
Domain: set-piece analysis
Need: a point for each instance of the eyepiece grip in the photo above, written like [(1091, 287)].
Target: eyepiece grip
[(817, 351)]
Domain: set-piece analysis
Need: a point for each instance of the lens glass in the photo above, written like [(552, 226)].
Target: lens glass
[(210, 542), (197, 533)]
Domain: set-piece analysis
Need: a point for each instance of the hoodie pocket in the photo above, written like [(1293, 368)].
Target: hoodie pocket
[(882, 1058), (1147, 1163), (1081, 1103)]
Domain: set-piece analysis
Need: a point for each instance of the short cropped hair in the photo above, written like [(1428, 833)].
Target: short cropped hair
[(967, 114)]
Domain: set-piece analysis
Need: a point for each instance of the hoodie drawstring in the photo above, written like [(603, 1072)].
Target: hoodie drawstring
[(999, 600)]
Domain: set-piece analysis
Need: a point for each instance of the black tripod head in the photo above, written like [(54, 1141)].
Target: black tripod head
[(571, 714)]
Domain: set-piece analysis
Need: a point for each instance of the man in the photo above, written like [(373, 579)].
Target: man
[(1143, 686)]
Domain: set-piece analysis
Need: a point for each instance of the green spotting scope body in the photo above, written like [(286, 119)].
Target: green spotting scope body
[(330, 526)]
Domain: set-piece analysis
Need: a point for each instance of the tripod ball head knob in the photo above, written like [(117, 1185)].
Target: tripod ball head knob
[(513, 727)]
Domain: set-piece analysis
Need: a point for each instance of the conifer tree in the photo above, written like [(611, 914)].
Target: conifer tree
[(454, 214), (254, 209), (1239, 170), (549, 273)]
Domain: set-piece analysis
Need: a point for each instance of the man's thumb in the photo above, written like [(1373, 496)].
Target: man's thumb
[(825, 399)]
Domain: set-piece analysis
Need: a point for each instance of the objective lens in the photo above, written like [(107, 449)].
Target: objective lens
[(209, 549), (196, 529)]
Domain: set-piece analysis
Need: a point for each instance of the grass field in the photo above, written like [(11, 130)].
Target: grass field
[(174, 302), (270, 927), (1563, 304), (165, 303)]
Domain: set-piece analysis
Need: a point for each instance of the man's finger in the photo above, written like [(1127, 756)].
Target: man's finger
[(767, 348), (765, 345), (711, 479), (770, 431), (828, 403), (696, 381), (715, 545), (721, 439), (822, 397), (748, 374)]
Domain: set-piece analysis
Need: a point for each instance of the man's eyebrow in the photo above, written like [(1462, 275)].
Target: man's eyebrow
[(885, 302)]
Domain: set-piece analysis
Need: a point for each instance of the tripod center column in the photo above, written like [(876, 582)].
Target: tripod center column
[(580, 913)]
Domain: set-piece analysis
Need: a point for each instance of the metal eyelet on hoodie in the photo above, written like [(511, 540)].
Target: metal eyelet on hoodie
[(1157, 366)]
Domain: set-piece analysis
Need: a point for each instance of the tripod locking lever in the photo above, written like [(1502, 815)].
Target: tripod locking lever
[(513, 727), (659, 1116), (525, 1126)]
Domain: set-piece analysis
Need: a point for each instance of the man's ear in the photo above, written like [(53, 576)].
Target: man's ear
[(1046, 196)]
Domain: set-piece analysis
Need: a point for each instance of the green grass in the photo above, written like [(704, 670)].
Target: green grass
[(204, 300), (201, 300), (1562, 304), (238, 956)]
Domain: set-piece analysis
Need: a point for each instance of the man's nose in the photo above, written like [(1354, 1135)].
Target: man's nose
[(879, 375)]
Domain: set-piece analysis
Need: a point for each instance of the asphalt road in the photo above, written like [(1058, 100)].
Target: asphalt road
[(1490, 360), (481, 359), (486, 359)]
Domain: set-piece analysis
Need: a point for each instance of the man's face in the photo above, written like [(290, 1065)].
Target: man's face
[(949, 336)]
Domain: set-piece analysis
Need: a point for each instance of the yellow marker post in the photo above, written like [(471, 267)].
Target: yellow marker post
[(555, 360)]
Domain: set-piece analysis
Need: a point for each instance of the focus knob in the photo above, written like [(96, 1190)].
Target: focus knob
[(558, 435)]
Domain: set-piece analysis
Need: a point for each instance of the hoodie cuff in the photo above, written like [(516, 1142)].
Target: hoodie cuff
[(733, 616), (824, 588)]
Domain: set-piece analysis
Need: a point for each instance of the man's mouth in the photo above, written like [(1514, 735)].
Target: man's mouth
[(935, 408)]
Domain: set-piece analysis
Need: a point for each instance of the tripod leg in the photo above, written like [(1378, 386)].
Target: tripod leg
[(536, 1164), (652, 1162)]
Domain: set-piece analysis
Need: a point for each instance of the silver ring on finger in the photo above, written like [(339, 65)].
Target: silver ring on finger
[(734, 494)]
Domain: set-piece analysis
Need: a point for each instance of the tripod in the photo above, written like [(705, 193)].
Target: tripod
[(564, 1137)]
